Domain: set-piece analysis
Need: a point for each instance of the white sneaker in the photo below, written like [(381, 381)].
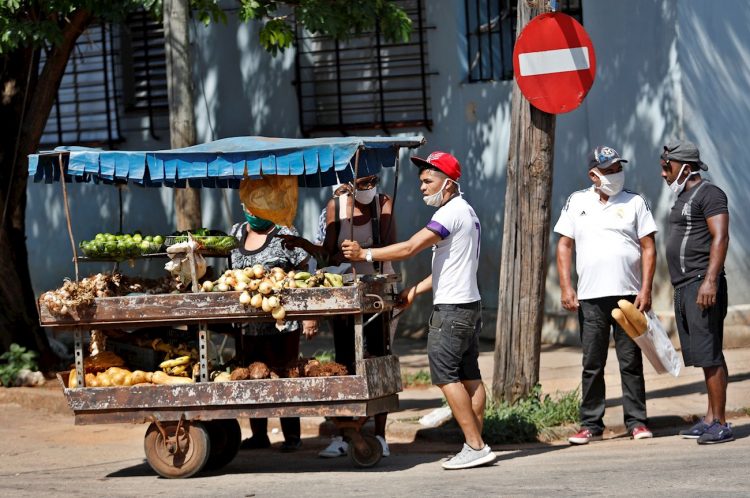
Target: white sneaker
[(386, 449), (337, 448), (469, 457)]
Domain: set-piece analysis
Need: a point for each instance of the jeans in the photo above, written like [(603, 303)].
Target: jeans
[(594, 316)]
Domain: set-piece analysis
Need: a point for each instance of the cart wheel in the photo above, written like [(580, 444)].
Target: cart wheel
[(365, 457), (183, 454), (225, 436)]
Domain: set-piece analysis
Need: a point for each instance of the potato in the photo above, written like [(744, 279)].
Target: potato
[(139, 377), (104, 380), (163, 378), (91, 380)]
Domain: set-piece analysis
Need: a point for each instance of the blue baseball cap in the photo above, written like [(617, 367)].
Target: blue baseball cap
[(604, 157)]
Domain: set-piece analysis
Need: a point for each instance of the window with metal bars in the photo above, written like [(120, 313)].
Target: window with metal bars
[(491, 35), (364, 82), (115, 73)]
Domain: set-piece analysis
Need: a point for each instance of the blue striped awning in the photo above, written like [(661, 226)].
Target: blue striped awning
[(223, 163)]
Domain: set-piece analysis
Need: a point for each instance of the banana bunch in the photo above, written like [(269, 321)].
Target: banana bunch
[(170, 351), (178, 367), (178, 360), (306, 280)]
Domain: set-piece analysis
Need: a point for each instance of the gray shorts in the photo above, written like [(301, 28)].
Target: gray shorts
[(453, 342)]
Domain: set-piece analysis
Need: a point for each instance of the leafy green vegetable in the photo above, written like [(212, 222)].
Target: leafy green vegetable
[(17, 359)]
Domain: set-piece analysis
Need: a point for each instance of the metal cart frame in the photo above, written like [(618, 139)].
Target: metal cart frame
[(193, 426)]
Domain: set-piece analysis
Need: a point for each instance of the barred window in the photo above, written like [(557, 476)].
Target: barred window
[(114, 84), (364, 82), (491, 35)]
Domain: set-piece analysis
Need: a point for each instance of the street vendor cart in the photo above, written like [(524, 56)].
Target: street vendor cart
[(193, 426)]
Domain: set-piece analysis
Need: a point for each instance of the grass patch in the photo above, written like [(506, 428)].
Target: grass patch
[(420, 378), (324, 356), (530, 417)]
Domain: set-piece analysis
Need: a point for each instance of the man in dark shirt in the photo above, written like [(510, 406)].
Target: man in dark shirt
[(697, 243)]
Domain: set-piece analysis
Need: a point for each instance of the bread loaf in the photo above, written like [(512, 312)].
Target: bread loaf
[(622, 320), (635, 316)]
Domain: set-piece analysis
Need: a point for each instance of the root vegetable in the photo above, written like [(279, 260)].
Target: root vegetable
[(91, 380), (140, 377), (223, 287), (253, 284), (163, 378), (245, 298), (259, 271), (265, 287), (207, 286), (273, 302), (258, 370), (223, 377), (240, 374), (256, 301), (279, 313), (72, 379), (265, 305)]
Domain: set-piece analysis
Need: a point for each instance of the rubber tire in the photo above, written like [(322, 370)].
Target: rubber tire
[(225, 436), (372, 457), (194, 442)]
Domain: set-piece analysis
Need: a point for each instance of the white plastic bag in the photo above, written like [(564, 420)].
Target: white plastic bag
[(657, 347)]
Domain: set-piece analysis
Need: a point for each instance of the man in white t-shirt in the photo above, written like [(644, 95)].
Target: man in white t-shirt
[(612, 232), (453, 342)]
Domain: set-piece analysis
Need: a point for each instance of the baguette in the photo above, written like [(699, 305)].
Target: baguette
[(622, 320), (635, 317)]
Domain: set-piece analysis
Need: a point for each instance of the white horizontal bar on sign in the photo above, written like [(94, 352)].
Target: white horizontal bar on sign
[(554, 61)]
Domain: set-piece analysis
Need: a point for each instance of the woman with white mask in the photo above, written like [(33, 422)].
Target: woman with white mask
[(372, 225)]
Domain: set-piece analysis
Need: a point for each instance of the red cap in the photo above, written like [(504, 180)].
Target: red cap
[(443, 161)]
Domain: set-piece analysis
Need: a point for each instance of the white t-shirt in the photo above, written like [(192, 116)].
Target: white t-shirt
[(607, 241), (455, 259)]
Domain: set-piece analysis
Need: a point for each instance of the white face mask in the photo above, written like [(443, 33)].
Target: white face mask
[(365, 196), (676, 187), (611, 184), (436, 199)]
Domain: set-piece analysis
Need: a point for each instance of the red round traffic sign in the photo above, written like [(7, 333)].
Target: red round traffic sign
[(554, 63)]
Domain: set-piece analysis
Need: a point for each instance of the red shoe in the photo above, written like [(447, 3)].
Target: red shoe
[(641, 432), (583, 437)]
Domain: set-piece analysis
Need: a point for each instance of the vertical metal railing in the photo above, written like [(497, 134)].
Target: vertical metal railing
[(298, 80), (105, 75), (422, 65), (379, 58), (339, 105), (147, 67)]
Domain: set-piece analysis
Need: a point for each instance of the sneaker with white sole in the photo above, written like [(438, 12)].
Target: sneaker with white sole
[(584, 436), (469, 457), (386, 449), (337, 448), (641, 432)]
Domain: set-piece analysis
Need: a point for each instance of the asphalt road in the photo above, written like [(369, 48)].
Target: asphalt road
[(44, 454)]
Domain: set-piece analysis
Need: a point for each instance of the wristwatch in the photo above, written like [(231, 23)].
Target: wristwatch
[(368, 256)]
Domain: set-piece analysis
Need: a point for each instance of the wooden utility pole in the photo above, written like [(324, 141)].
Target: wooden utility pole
[(187, 201), (523, 260)]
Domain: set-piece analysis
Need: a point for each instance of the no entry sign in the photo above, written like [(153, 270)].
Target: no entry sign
[(554, 63)]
